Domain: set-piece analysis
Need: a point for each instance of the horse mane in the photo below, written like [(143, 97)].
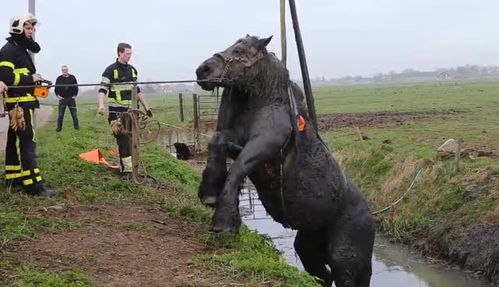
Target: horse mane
[(270, 79)]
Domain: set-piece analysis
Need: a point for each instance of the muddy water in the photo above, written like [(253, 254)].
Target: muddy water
[(393, 265)]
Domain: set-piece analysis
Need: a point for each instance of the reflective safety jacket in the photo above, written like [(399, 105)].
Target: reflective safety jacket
[(118, 95), (16, 69)]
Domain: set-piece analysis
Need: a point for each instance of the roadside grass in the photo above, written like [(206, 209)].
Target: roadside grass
[(89, 183), (467, 197)]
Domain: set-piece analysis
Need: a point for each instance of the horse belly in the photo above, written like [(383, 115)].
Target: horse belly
[(308, 205), (312, 187)]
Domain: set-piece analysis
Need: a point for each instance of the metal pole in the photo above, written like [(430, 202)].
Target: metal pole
[(284, 51), (181, 106), (135, 137), (303, 64), (32, 10)]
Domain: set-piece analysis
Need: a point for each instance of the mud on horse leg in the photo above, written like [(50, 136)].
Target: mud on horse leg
[(312, 248), (215, 172), (226, 217)]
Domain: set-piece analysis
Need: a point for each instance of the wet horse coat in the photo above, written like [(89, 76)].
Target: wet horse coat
[(299, 183)]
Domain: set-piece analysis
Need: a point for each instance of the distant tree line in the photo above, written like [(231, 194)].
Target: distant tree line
[(408, 75)]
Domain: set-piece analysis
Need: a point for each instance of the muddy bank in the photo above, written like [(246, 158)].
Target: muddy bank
[(476, 249), (329, 122), (127, 244)]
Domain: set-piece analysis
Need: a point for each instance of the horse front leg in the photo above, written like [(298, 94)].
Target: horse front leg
[(215, 172), (255, 152)]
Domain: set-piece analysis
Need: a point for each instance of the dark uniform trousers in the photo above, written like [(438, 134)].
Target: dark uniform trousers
[(123, 139), (20, 156)]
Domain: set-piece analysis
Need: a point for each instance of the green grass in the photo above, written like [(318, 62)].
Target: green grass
[(406, 97), (251, 255), (65, 279), (384, 171)]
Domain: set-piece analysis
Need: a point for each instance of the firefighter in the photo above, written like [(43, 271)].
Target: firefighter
[(119, 98), (17, 69)]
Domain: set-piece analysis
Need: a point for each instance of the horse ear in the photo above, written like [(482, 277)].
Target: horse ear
[(262, 43)]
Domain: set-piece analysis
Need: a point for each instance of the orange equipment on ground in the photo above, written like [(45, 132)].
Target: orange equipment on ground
[(97, 157)]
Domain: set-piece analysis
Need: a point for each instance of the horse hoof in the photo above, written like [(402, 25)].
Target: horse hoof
[(210, 201), (219, 229), (223, 225)]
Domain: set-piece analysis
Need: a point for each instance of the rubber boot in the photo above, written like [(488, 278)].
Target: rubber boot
[(126, 176), (39, 189), (13, 182)]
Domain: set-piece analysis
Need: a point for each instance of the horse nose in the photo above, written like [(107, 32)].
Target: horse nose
[(203, 71)]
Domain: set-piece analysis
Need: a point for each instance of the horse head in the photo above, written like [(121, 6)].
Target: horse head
[(231, 66)]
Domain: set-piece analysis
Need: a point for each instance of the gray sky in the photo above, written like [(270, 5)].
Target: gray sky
[(341, 37)]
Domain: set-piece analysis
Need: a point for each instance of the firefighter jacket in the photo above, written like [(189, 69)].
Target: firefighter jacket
[(16, 69), (118, 95)]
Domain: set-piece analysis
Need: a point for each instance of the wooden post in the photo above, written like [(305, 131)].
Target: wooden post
[(359, 133), (135, 138), (458, 154), (181, 106), (195, 104), (283, 33)]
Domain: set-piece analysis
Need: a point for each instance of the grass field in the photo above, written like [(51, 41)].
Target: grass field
[(384, 170), (449, 213)]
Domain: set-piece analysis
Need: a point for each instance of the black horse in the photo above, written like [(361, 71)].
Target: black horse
[(263, 125)]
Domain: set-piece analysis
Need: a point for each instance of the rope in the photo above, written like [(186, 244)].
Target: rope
[(414, 181), (121, 83)]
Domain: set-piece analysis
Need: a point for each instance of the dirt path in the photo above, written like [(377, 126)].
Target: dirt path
[(122, 245), (42, 117), (373, 119)]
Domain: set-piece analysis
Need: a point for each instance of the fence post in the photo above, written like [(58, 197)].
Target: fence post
[(458, 155), (195, 104), (181, 104)]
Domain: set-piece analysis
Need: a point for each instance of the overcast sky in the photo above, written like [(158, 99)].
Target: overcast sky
[(341, 37)]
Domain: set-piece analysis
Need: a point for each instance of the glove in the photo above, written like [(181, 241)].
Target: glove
[(149, 113)]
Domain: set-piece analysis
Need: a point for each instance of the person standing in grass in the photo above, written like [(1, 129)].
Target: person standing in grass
[(66, 96), (119, 98), (17, 69)]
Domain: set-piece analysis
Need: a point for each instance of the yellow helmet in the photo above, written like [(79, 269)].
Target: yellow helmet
[(17, 23)]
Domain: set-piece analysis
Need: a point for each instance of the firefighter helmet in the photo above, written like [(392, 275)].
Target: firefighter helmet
[(17, 23)]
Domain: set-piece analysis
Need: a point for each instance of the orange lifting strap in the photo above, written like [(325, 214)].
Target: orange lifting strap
[(301, 123)]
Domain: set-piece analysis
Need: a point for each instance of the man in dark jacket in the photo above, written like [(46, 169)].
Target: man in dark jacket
[(119, 98), (66, 96), (17, 69)]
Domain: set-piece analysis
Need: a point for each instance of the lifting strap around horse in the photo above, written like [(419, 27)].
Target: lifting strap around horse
[(299, 119)]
